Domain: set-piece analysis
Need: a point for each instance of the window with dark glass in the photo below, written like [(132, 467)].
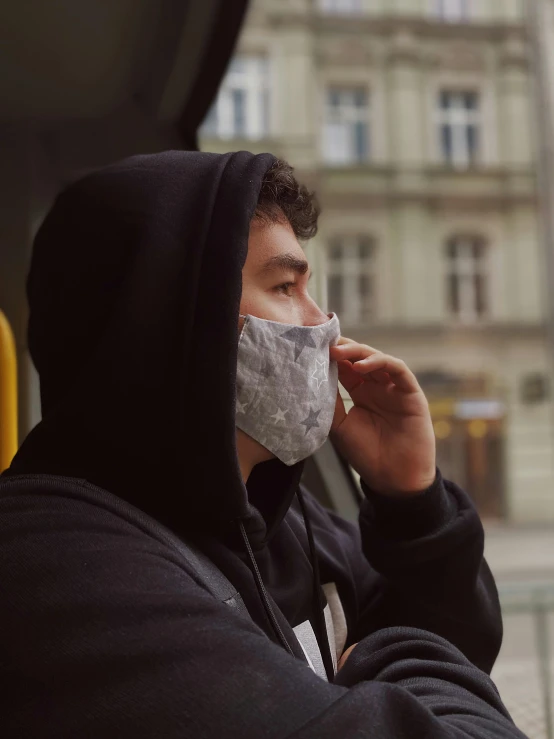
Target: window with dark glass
[(242, 107), (459, 121), (351, 278), (467, 276), (346, 126)]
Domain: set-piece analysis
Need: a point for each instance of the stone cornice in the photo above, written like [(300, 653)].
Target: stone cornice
[(458, 202), (445, 330), (437, 188), (380, 186), (390, 25), (514, 53)]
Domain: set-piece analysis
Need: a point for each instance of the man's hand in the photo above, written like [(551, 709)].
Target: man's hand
[(345, 656), (388, 435)]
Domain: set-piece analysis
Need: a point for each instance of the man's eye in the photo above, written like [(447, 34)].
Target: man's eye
[(285, 288)]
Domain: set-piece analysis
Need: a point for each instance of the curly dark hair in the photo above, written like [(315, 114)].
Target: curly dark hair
[(283, 198)]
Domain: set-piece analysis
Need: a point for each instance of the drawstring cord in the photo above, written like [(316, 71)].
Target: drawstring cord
[(317, 602), (263, 592), (317, 599)]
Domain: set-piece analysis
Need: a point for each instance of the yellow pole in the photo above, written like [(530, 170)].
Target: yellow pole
[(8, 394)]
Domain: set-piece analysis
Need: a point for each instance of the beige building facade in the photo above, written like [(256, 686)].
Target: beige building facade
[(413, 121)]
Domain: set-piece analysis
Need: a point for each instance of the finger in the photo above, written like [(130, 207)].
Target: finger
[(352, 350), (349, 379), (379, 377), (345, 656), (397, 369), (344, 341), (352, 380)]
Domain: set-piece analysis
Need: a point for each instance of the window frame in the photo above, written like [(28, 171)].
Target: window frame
[(254, 82), (459, 120), (349, 268), (349, 115), (467, 269), (341, 7), (442, 11)]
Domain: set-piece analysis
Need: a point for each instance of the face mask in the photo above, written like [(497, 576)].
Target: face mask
[(287, 385)]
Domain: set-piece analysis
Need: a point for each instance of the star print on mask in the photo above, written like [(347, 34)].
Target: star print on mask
[(320, 373), (300, 339), (311, 422), (287, 398), (279, 416)]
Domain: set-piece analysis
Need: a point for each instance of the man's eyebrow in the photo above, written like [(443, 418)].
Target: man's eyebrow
[(285, 262)]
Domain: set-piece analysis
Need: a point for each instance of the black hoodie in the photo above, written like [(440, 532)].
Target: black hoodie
[(134, 295)]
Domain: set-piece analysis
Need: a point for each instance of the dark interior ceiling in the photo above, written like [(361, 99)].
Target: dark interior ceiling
[(70, 61)]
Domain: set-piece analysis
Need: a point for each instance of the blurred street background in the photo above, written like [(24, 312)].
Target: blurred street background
[(427, 129), (425, 126)]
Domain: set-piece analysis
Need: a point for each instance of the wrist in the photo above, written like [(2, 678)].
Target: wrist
[(409, 517), (405, 489)]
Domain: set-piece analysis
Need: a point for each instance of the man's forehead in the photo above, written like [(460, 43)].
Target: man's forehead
[(274, 247)]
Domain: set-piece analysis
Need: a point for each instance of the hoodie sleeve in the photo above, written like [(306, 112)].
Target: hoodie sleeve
[(428, 551), (103, 634), (414, 562)]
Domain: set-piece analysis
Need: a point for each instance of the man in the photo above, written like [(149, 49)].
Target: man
[(185, 373)]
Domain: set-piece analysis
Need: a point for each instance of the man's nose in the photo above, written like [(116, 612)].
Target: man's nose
[(313, 315)]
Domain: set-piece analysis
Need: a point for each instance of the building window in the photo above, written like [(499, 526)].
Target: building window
[(459, 126), (467, 278), (241, 109), (452, 11), (351, 267), (341, 7), (346, 127)]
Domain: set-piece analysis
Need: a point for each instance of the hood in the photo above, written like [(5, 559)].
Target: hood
[(134, 293)]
